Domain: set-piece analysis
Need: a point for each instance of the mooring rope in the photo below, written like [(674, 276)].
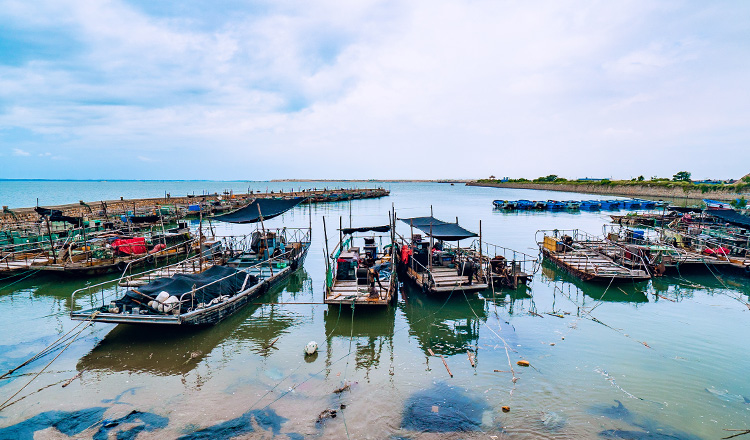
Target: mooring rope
[(8, 402)]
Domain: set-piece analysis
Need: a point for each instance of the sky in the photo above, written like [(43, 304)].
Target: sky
[(366, 89)]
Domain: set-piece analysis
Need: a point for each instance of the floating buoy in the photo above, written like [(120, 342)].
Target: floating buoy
[(523, 363), (506, 409), (311, 347)]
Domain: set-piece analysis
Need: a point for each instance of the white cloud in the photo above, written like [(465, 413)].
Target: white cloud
[(462, 88), (20, 152)]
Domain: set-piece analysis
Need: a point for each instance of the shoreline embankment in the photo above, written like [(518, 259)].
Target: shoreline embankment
[(644, 191)]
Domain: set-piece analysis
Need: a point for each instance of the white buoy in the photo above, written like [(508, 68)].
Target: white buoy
[(311, 347)]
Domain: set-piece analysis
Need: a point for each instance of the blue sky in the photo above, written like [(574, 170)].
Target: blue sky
[(373, 89)]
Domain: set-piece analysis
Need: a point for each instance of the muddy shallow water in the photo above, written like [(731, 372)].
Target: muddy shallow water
[(662, 359)]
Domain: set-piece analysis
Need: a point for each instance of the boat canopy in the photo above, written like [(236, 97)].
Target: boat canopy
[(206, 284), (384, 228), (731, 216), (439, 229), (268, 208), (55, 215)]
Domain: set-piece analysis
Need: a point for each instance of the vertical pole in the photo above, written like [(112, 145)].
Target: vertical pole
[(51, 243), (265, 239), (480, 245), (328, 263), (341, 234), (432, 243), (200, 237)]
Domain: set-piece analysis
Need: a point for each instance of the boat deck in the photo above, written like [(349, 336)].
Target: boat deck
[(348, 292), (590, 265), (23, 264), (446, 280)]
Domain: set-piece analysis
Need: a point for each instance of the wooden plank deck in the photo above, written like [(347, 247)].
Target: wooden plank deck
[(347, 292), (589, 264), (447, 280)]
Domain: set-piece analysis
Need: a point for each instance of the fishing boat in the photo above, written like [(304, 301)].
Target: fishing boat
[(505, 204), (648, 204), (631, 204), (539, 205), (591, 205), (610, 204), (525, 204), (662, 257), (572, 205), (435, 266), (715, 204), (227, 276), (554, 205), (581, 255), (363, 274)]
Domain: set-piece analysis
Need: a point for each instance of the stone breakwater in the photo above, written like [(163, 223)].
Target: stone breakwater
[(644, 191), (229, 201)]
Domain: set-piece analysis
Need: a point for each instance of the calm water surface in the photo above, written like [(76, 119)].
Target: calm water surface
[(663, 359)]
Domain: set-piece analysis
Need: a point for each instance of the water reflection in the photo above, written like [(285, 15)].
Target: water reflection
[(371, 330), (518, 300), (582, 292), (447, 325)]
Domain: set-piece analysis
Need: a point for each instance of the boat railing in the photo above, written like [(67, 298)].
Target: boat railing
[(698, 243), (583, 262), (166, 252), (514, 257), (677, 255), (288, 255), (616, 252)]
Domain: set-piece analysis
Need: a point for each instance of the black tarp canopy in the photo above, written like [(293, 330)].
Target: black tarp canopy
[(384, 228), (439, 229), (56, 215), (269, 208), (731, 216), (230, 284)]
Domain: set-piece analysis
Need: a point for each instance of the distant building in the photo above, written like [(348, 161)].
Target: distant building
[(708, 182), (590, 179)]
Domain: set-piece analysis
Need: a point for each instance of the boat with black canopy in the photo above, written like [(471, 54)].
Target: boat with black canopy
[(229, 273), (435, 265), (362, 275)]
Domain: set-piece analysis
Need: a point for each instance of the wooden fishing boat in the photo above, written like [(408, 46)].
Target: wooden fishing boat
[(438, 267), (571, 252), (362, 275), (554, 205), (232, 278)]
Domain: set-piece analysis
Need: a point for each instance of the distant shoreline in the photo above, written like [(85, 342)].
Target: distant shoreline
[(644, 190), (378, 180)]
